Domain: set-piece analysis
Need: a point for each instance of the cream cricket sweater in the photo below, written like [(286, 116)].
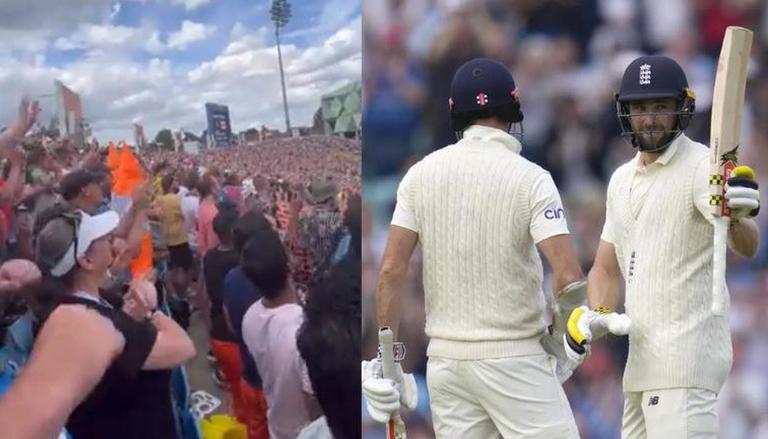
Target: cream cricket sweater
[(663, 245), (482, 274)]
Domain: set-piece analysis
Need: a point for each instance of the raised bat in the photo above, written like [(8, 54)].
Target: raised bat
[(727, 106)]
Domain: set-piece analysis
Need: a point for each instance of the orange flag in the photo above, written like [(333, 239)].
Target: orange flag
[(113, 157), (127, 177), (143, 262), (128, 174)]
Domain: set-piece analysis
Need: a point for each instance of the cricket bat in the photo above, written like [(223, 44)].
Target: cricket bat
[(395, 426), (727, 106)]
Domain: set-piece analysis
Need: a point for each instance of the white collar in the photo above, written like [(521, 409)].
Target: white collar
[(495, 135), (664, 158)]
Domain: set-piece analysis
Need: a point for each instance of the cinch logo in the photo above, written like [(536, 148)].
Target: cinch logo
[(554, 213)]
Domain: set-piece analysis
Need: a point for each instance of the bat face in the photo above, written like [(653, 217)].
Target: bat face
[(727, 107)]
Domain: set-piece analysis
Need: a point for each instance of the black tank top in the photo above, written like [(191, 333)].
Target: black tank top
[(128, 403)]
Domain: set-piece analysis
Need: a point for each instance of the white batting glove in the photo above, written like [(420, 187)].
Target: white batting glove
[(384, 396), (741, 193), (553, 345), (585, 325)]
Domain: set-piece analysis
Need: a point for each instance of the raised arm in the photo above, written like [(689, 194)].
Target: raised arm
[(28, 112), (172, 347), (63, 369)]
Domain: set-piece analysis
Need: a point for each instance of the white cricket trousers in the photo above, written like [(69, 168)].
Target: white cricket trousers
[(683, 413), (515, 397)]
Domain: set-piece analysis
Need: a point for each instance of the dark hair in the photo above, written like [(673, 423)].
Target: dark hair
[(191, 180), (73, 183), (353, 220), (205, 186), (251, 222), (329, 343), (167, 183), (224, 224), (159, 167), (265, 262), (232, 180)]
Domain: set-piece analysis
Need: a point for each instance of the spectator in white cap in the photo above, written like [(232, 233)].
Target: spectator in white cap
[(104, 367)]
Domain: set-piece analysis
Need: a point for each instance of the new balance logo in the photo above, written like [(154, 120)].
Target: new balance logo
[(653, 401), (554, 213), (645, 74)]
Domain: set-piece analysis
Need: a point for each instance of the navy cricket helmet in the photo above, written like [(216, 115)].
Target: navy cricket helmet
[(482, 88), (655, 77)]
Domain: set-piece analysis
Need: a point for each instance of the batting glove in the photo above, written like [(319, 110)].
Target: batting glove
[(384, 396), (585, 325), (565, 365), (741, 193)]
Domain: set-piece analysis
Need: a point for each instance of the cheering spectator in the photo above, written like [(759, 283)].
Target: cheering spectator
[(116, 381), (269, 329)]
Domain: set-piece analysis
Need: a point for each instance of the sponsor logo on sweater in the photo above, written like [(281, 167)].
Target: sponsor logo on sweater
[(554, 213)]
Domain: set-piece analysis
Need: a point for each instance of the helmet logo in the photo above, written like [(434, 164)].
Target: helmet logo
[(482, 99), (645, 74)]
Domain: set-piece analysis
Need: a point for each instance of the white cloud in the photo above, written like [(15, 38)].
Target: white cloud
[(52, 16), (114, 11), (190, 32), (116, 89), (339, 46), (335, 14), (190, 5), (22, 40), (245, 41), (249, 64), (153, 43), (91, 36)]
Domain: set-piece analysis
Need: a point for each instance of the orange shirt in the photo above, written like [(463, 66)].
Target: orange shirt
[(207, 238)]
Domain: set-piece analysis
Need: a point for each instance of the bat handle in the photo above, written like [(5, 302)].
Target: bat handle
[(719, 253), (387, 355)]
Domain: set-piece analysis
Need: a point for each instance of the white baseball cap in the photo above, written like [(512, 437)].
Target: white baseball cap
[(58, 247)]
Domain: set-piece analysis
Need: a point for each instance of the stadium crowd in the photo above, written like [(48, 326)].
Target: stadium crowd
[(567, 58), (262, 240)]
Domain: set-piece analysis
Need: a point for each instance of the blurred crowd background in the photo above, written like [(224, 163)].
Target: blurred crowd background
[(567, 58)]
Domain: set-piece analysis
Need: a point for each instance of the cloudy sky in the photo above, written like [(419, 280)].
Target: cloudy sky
[(159, 61)]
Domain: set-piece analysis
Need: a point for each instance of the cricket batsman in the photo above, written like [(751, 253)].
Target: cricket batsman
[(480, 211), (658, 237)]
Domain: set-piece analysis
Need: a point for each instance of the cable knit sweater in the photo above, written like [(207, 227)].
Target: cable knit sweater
[(664, 251), (471, 205)]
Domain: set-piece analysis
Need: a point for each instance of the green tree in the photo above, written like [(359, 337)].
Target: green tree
[(164, 139), (281, 15)]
